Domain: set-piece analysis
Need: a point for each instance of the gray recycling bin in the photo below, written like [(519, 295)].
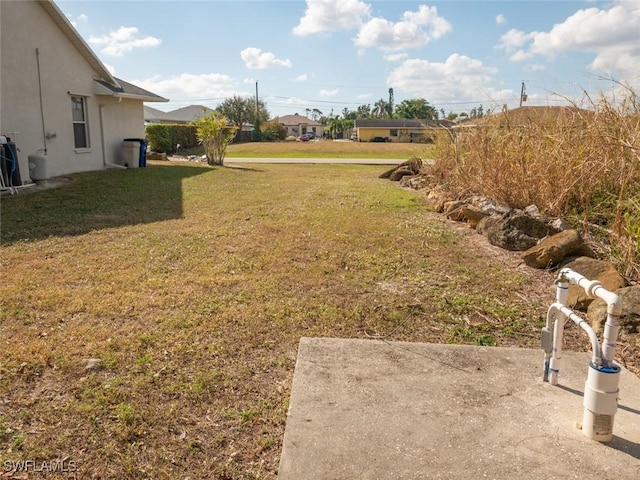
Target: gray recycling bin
[(134, 152)]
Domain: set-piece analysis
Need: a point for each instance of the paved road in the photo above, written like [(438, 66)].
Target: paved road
[(352, 161)]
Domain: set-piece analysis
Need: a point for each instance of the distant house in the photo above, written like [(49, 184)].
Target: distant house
[(297, 125), (184, 115), (57, 96), (399, 130)]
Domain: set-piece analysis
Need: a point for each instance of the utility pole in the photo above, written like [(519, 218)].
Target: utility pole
[(523, 94), (256, 123)]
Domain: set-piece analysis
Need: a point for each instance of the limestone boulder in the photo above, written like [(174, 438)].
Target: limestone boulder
[(515, 231), (398, 173), (453, 208), (437, 197), (472, 215), (413, 166), (555, 248)]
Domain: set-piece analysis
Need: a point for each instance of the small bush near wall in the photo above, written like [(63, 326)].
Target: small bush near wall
[(164, 138)]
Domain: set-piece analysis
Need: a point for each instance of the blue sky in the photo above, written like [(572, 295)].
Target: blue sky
[(335, 54)]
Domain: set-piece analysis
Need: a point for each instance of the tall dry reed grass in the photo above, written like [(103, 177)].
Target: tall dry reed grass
[(578, 162)]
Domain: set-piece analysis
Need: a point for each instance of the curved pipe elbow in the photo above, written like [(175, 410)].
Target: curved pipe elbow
[(614, 304), (594, 289)]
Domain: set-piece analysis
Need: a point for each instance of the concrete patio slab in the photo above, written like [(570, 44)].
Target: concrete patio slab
[(369, 409)]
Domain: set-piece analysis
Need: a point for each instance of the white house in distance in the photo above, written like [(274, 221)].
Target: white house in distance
[(57, 97), (297, 125), (184, 115)]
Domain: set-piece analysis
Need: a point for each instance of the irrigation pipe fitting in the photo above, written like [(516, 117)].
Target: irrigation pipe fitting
[(603, 375)]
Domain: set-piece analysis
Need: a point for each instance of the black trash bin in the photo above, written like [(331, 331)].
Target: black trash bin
[(142, 155)]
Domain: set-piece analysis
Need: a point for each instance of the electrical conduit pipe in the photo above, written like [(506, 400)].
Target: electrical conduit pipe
[(601, 387)]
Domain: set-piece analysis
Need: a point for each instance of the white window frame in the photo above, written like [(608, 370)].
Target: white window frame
[(84, 122)]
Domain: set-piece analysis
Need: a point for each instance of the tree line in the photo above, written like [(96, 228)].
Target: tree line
[(229, 118)]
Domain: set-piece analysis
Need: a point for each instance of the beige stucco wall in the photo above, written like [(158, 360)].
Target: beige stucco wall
[(25, 27), (121, 120), (404, 134)]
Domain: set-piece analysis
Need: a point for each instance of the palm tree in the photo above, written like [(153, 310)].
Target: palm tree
[(335, 127), (380, 108)]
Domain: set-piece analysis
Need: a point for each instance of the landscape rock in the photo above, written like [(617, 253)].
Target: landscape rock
[(552, 250), (515, 231), (472, 215), (157, 156), (630, 318), (559, 224), (93, 364), (400, 172), (593, 269), (452, 210), (437, 197), (416, 182), (488, 206), (413, 166), (532, 210)]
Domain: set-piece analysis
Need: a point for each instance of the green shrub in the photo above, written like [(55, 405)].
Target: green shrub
[(164, 138)]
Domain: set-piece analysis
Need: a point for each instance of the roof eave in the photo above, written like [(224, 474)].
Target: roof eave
[(60, 19), (144, 98)]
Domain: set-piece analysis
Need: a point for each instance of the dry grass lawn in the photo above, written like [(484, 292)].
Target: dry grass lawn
[(330, 149), (150, 318)]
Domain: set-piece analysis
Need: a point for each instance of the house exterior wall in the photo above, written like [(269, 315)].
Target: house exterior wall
[(297, 130), (63, 72), (400, 135), (368, 134), (120, 120), (25, 29)]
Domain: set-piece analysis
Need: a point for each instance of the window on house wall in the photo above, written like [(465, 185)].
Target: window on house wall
[(80, 128), (393, 132)]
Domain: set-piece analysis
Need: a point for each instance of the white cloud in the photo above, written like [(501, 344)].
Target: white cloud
[(395, 57), (364, 96), (513, 40), (82, 18), (332, 16), (123, 40), (295, 101), (416, 29), (301, 78), (255, 58), (189, 86), (329, 93), (520, 55), (535, 67), (458, 79), (111, 68), (611, 35), (501, 19)]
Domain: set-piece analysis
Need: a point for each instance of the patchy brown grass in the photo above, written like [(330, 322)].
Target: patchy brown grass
[(192, 285)]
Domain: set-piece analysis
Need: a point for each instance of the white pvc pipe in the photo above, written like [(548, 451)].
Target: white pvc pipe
[(596, 358), (594, 289), (601, 387)]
